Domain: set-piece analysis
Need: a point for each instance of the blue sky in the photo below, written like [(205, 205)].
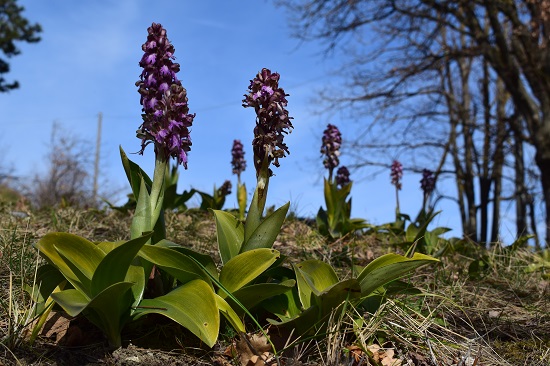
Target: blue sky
[(87, 62)]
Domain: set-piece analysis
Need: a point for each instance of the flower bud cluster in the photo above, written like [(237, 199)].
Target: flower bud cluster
[(427, 183), (225, 189), (342, 176)]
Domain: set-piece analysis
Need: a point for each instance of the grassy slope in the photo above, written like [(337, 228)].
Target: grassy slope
[(502, 317)]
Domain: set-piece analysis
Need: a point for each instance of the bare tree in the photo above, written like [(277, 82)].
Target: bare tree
[(418, 73), (68, 180)]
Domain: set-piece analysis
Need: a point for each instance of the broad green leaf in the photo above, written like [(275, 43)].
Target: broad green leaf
[(422, 229), (230, 314), (313, 277), (411, 232), (192, 305), (110, 309), (48, 278), (313, 320), (266, 233), (241, 199), (440, 230), (203, 259), (389, 267), (81, 255), (322, 221), (285, 306), (329, 201), (114, 266), (134, 174), (230, 232), (335, 295), (141, 222), (107, 246), (302, 323), (170, 196), (136, 275), (176, 264), (245, 267), (47, 249), (72, 301), (250, 296)]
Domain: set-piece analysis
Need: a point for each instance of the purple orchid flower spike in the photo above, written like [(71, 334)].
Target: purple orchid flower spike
[(166, 118), (272, 119), (330, 148), (238, 162), (396, 174), (427, 183)]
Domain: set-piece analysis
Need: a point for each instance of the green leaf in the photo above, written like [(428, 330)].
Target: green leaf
[(411, 233), (134, 174), (422, 229), (285, 306), (81, 255), (230, 232), (192, 305), (245, 267), (72, 301), (313, 277), (266, 233), (47, 249), (136, 275), (204, 259), (230, 314), (387, 268), (107, 246), (48, 278), (322, 222), (241, 199), (174, 263), (141, 221), (114, 266), (313, 320), (335, 295), (250, 296)]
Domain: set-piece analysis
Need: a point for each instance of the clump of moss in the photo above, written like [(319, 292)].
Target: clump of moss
[(524, 352)]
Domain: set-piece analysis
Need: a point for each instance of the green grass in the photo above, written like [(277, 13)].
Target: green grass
[(499, 316)]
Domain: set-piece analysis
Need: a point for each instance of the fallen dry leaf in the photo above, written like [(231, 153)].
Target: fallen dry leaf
[(254, 350), (384, 356)]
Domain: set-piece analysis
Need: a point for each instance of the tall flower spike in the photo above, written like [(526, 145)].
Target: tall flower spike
[(427, 183), (330, 148), (166, 118), (396, 174), (237, 162), (272, 120), (342, 176)]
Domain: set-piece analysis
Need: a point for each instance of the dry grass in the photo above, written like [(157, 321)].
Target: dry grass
[(500, 318)]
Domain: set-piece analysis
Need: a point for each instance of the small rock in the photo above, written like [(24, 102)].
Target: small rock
[(133, 359)]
